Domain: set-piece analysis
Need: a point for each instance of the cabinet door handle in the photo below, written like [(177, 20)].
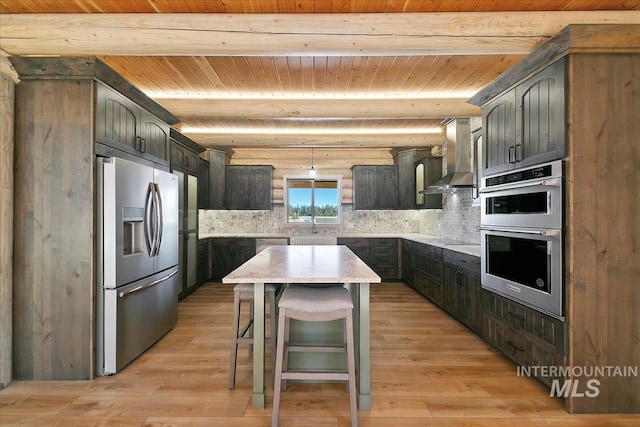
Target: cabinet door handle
[(515, 347), (459, 275), (517, 149), (512, 150), (143, 145)]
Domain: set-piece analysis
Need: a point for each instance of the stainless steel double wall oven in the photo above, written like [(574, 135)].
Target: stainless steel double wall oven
[(522, 235)]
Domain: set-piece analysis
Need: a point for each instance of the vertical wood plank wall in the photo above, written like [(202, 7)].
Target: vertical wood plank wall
[(53, 240), (7, 96), (603, 222), (297, 161)]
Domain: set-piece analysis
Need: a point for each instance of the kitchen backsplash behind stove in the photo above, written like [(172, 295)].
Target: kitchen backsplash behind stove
[(458, 220)]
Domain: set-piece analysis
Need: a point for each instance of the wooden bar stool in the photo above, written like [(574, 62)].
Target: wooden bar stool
[(244, 292), (314, 305)]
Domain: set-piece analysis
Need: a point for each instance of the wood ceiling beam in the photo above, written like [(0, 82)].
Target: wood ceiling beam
[(224, 140), (405, 108), (188, 34)]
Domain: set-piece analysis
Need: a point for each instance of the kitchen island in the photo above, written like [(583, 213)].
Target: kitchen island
[(309, 265)]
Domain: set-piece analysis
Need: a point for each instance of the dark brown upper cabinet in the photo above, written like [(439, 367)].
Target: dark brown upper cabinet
[(416, 170), (527, 124), (122, 124), (375, 187), (248, 187)]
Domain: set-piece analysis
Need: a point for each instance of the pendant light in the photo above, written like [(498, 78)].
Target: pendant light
[(312, 170)]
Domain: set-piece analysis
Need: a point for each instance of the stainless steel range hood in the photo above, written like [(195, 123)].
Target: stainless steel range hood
[(458, 155)]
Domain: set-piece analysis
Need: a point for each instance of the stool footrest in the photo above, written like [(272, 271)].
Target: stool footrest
[(314, 349), (315, 375)]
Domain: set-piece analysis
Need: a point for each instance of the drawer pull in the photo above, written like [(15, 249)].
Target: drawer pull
[(515, 347), (517, 317)]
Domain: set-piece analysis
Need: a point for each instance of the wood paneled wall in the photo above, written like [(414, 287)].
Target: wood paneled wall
[(326, 161), (53, 230), (7, 96), (603, 205)]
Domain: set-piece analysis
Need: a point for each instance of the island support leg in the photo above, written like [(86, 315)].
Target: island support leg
[(258, 346), (364, 348)]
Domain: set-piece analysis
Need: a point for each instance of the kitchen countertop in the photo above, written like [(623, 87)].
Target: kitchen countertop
[(304, 264), (463, 247)]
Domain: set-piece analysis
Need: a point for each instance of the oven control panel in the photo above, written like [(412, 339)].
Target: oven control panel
[(549, 170)]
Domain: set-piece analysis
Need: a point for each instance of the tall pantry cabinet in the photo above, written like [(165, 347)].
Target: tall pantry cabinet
[(54, 233), (187, 165), (600, 69)]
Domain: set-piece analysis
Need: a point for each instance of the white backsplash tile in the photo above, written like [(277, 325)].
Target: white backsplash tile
[(460, 220), (457, 220)]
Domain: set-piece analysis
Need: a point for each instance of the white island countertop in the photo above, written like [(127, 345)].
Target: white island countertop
[(304, 264)]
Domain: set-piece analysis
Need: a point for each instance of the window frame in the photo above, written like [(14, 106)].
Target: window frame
[(307, 177)]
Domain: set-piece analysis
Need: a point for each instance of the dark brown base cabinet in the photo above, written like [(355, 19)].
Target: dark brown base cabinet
[(462, 289), (383, 258), (526, 336), (359, 246), (406, 256), (227, 254), (428, 272), (204, 261), (380, 254), (451, 280), (428, 286)]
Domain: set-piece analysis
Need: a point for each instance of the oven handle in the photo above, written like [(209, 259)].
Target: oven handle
[(538, 232), (551, 182)]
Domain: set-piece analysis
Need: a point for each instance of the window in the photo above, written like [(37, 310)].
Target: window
[(313, 201)]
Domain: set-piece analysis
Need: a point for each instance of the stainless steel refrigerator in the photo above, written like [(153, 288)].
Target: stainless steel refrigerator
[(137, 291)]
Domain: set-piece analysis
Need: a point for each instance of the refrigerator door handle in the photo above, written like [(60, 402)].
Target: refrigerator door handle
[(147, 285), (149, 232), (155, 219), (160, 219)]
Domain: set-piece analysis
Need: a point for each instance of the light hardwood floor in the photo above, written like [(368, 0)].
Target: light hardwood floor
[(427, 370)]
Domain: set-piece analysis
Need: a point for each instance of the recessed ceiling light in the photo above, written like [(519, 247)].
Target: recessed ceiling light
[(310, 96), (298, 131)]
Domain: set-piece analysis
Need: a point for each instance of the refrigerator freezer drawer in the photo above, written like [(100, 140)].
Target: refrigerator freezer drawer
[(136, 316)]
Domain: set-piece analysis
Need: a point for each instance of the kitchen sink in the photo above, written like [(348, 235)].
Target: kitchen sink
[(313, 240)]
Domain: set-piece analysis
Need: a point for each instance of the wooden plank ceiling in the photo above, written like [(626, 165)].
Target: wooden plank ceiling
[(292, 73)]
